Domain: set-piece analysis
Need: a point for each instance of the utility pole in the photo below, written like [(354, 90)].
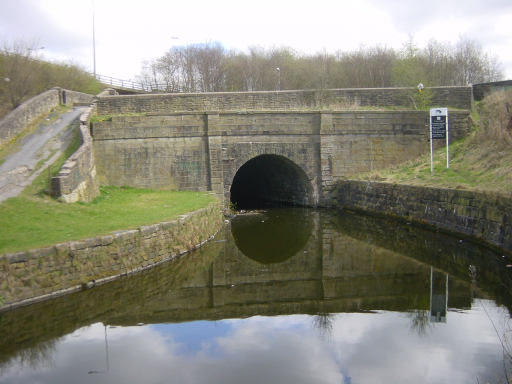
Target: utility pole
[(93, 40)]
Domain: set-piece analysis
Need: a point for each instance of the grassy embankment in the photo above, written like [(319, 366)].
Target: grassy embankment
[(33, 219), (482, 161)]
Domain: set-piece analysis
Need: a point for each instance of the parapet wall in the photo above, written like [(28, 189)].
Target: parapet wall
[(454, 97), (17, 120), (76, 180), (36, 275), (486, 217)]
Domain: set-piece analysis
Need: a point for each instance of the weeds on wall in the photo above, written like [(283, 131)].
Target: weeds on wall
[(496, 117)]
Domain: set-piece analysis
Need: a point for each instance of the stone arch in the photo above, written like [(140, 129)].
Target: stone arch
[(270, 180)]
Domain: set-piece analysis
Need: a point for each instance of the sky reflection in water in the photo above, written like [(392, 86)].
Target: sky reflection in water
[(377, 279), (376, 347)]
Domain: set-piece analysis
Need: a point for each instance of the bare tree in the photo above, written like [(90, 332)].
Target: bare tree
[(473, 65), (209, 67)]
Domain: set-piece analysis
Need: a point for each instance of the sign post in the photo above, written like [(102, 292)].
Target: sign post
[(439, 130)]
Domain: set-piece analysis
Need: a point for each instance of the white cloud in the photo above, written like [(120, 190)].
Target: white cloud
[(129, 32), (362, 347)]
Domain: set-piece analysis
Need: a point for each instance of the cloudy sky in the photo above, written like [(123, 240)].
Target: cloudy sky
[(281, 349), (128, 32)]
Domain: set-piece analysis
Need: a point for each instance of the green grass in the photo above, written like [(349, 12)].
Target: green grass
[(30, 221), (480, 162), (33, 219)]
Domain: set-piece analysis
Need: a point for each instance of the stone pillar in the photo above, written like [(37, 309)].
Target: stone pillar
[(215, 156)]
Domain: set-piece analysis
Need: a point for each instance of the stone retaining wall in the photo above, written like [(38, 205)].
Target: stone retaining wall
[(203, 151), (76, 180), (454, 97), (17, 120), (35, 275), (485, 217)]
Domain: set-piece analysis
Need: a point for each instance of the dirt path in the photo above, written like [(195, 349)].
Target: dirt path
[(37, 151)]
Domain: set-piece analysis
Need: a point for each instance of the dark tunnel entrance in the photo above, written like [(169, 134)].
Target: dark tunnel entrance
[(270, 181)]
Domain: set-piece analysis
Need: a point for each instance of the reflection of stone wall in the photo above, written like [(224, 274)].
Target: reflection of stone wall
[(46, 272), (486, 217), (341, 268)]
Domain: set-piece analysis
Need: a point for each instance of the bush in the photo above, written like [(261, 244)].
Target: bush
[(23, 76), (496, 116)]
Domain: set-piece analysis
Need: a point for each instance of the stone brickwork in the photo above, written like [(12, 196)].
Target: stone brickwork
[(17, 120), (71, 98), (204, 150), (482, 216), (77, 180), (455, 97), (39, 274)]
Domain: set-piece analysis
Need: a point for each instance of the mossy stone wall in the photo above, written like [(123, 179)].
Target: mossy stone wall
[(38, 274), (483, 216)]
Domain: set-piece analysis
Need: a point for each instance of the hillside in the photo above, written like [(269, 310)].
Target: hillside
[(23, 75), (482, 161)]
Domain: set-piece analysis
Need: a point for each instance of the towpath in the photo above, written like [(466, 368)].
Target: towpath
[(36, 151)]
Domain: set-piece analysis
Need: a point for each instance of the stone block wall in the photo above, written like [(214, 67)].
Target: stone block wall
[(203, 151), (153, 151), (355, 142), (74, 98), (77, 180), (455, 97), (39, 274), (17, 120), (483, 89), (486, 217)]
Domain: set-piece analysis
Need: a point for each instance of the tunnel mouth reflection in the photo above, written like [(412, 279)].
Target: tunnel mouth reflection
[(270, 181), (272, 236)]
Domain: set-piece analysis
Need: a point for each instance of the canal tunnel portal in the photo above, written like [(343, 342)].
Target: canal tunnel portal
[(270, 180), (206, 142)]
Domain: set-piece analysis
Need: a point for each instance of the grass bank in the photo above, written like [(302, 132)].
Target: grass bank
[(481, 162), (31, 221)]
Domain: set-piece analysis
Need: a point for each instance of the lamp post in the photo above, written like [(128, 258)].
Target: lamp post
[(278, 78), (93, 40)]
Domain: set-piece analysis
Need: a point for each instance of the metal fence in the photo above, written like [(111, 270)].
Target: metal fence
[(130, 84), (114, 82)]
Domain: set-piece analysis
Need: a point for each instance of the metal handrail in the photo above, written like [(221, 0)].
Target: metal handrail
[(120, 82), (130, 84)]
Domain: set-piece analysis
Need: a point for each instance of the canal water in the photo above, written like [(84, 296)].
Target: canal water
[(281, 296)]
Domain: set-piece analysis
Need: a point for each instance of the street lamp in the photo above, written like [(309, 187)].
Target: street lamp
[(278, 78), (93, 40)]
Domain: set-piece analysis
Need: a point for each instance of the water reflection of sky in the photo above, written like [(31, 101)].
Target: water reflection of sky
[(377, 347)]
